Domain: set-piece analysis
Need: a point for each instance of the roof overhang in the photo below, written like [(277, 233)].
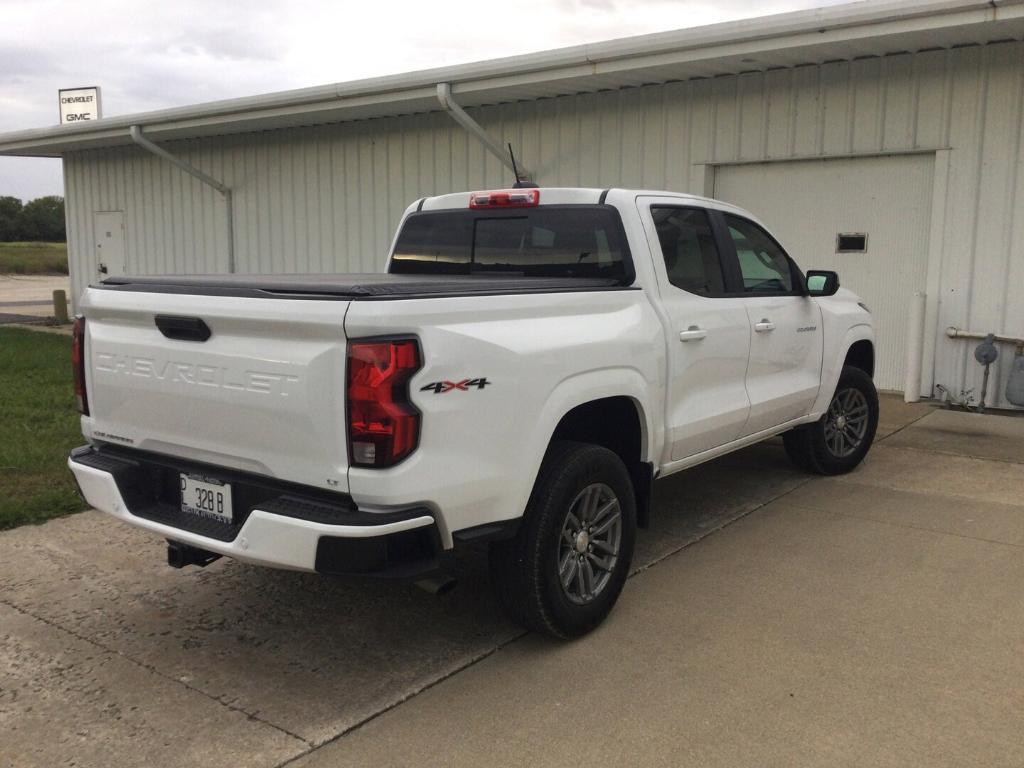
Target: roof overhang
[(842, 32)]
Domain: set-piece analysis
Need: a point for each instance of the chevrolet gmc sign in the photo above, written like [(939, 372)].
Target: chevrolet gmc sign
[(79, 104)]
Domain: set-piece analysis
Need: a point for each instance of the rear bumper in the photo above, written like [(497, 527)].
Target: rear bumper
[(276, 524)]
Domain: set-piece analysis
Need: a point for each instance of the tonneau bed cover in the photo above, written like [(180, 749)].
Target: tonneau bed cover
[(352, 287)]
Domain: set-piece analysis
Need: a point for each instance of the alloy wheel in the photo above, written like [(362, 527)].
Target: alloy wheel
[(588, 547), (846, 422)]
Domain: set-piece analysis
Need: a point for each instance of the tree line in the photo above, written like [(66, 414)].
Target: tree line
[(39, 220)]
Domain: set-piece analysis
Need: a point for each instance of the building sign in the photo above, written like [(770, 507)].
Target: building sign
[(79, 104)]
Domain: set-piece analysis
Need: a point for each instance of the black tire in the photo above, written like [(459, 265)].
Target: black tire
[(527, 570), (813, 448)]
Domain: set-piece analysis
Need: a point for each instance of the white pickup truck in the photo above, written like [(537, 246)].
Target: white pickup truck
[(531, 362)]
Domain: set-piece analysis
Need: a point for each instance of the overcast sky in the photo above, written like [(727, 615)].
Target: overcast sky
[(149, 55)]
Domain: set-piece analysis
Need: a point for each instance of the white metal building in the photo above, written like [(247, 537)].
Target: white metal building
[(899, 121)]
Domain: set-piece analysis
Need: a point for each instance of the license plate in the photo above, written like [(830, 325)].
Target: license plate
[(206, 497)]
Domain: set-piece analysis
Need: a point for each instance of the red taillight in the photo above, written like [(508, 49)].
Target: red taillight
[(505, 198), (78, 364), (383, 424)]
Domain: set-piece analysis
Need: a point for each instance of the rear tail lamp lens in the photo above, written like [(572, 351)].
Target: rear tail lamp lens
[(383, 424), (78, 364)]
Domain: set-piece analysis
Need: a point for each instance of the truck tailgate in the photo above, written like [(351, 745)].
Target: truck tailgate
[(265, 393)]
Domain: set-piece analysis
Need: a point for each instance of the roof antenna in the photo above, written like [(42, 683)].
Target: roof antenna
[(521, 183)]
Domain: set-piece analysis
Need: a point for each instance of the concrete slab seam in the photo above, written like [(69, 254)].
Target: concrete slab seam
[(909, 527), (152, 670), (908, 424), (723, 526), (482, 656), (398, 702), (954, 453)]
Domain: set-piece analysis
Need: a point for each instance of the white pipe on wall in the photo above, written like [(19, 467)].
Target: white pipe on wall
[(459, 115), (915, 348), (137, 136), (957, 333)]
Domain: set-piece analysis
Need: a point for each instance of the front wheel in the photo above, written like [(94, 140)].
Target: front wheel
[(841, 438), (566, 566)]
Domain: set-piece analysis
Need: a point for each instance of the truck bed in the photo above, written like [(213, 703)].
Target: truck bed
[(353, 287)]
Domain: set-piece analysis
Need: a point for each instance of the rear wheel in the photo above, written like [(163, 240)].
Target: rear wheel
[(565, 568), (841, 438)]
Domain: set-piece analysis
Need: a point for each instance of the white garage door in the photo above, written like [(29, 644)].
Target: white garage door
[(809, 203)]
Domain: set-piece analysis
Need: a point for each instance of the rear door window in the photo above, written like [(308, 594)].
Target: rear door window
[(547, 241), (688, 247)]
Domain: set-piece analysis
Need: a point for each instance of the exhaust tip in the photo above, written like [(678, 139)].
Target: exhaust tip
[(438, 585)]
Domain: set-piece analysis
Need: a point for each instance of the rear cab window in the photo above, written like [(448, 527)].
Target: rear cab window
[(569, 241)]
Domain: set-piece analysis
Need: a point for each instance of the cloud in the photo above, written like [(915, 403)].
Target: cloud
[(19, 62), (153, 54)]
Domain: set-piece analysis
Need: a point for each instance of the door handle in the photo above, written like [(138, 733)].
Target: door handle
[(764, 325), (693, 333)]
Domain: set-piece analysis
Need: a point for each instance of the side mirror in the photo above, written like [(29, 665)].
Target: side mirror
[(822, 283)]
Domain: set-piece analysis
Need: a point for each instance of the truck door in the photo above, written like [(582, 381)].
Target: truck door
[(784, 372), (708, 334)]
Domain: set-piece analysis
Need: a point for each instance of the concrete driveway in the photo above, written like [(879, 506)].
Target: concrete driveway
[(29, 298), (874, 619)]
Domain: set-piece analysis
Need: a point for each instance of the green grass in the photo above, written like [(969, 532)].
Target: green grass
[(38, 426), (33, 258)]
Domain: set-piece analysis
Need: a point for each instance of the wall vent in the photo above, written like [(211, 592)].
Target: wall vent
[(851, 242)]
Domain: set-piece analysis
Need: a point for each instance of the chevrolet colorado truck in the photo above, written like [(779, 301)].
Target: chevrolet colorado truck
[(532, 360)]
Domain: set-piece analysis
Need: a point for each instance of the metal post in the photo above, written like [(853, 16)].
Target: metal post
[(915, 349), (135, 132), (60, 307)]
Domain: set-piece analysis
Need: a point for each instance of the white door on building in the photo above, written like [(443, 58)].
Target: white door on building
[(882, 208), (110, 256)]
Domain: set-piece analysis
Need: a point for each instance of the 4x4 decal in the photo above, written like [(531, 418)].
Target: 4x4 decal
[(440, 387)]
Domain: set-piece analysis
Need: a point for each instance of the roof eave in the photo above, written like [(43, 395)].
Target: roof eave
[(803, 37)]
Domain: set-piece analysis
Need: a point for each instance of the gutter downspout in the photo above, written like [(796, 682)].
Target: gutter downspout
[(460, 116), (135, 132)]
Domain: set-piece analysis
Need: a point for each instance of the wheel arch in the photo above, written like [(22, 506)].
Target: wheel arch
[(857, 341), (616, 423), (566, 413), (861, 354)]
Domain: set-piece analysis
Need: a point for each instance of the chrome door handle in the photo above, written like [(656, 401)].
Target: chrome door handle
[(764, 325), (693, 333)]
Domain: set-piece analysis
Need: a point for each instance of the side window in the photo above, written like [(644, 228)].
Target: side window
[(688, 247), (763, 264)]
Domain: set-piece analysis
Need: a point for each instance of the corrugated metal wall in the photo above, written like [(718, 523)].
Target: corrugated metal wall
[(327, 198)]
